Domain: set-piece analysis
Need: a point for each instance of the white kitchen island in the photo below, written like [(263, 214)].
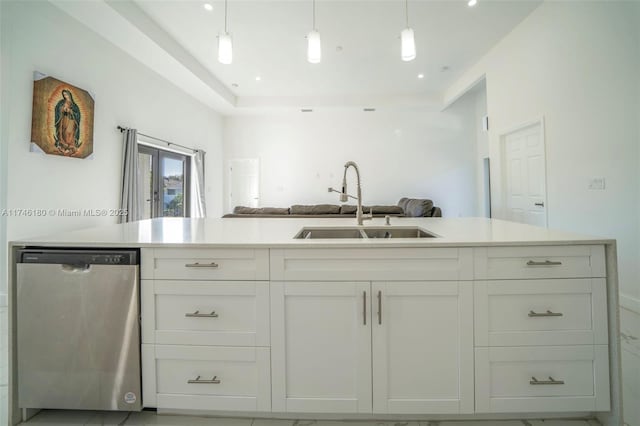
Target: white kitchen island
[(489, 320)]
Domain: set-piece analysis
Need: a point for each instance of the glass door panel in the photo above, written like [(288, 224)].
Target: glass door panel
[(164, 182), (146, 160), (173, 184)]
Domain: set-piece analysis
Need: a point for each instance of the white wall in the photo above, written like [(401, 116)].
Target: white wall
[(41, 37), (419, 153), (576, 63), (482, 145), (3, 160)]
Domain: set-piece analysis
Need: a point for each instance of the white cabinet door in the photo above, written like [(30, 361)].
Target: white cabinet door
[(422, 347), (321, 347)]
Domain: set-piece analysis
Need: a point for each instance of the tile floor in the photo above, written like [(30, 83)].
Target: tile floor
[(149, 418)]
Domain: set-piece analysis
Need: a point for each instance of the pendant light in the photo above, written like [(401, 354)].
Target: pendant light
[(314, 49), (408, 43), (225, 46)]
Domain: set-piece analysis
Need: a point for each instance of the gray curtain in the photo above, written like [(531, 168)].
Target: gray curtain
[(199, 208), (130, 200)]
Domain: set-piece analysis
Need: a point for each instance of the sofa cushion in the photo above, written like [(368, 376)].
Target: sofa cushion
[(315, 209), (348, 209), (391, 210), (379, 210), (261, 210), (416, 207)]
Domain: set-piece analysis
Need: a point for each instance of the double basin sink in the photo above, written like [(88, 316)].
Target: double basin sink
[(384, 232)]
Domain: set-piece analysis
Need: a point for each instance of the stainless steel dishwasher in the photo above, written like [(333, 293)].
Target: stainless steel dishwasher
[(78, 329)]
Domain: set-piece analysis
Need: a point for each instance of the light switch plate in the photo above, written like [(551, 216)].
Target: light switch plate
[(596, 183)]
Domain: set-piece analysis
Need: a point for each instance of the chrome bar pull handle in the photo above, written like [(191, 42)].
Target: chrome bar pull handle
[(364, 307), (379, 307), (538, 204), (198, 381), (197, 314), (545, 263), (533, 314), (213, 265), (551, 381)]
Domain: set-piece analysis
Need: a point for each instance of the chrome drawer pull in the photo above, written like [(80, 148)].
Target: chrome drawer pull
[(551, 381), (197, 314), (213, 265), (545, 263), (545, 314), (197, 381)]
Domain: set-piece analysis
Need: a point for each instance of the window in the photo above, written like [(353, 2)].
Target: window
[(164, 182)]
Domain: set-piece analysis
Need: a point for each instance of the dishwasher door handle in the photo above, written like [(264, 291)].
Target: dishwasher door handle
[(75, 268)]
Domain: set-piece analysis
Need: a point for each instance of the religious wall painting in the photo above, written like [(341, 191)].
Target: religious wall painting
[(62, 118)]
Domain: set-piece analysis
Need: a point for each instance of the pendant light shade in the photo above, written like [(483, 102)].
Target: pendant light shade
[(408, 48), (407, 40), (225, 49), (225, 45), (314, 49)]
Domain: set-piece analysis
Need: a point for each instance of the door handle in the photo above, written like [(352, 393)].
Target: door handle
[(364, 308), (379, 307)]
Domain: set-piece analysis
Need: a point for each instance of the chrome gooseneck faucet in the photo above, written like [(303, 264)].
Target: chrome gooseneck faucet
[(344, 196)]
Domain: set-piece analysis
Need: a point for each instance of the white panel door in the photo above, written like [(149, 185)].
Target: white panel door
[(321, 347), (244, 182), (422, 347), (525, 183)]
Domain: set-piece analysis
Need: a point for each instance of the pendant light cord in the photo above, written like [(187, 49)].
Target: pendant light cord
[(406, 11), (314, 15), (225, 17)]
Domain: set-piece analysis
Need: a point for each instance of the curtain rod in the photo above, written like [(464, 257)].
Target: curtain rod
[(122, 129)]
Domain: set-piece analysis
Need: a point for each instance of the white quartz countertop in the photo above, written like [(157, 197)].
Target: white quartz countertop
[(279, 232)]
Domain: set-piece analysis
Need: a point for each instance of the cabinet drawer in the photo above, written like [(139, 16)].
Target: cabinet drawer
[(205, 264), (221, 313), (417, 264), (539, 262), (546, 378), (540, 312), (211, 378)]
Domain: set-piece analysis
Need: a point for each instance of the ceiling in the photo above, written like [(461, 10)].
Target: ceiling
[(361, 62)]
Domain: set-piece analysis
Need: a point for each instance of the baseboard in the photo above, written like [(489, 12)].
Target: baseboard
[(630, 303)]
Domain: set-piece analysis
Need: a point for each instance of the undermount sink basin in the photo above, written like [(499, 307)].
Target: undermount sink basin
[(384, 232)]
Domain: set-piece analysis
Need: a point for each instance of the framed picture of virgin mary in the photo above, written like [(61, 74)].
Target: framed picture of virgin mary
[(62, 118)]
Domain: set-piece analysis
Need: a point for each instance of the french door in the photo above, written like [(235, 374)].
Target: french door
[(164, 182)]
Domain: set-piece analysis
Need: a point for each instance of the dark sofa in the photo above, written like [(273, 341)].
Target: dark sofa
[(407, 207)]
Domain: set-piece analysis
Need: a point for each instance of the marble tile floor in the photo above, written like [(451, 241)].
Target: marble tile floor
[(150, 418)]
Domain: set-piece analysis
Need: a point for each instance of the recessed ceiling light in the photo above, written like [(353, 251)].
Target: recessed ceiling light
[(472, 3), (420, 75), (258, 78), (208, 7)]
